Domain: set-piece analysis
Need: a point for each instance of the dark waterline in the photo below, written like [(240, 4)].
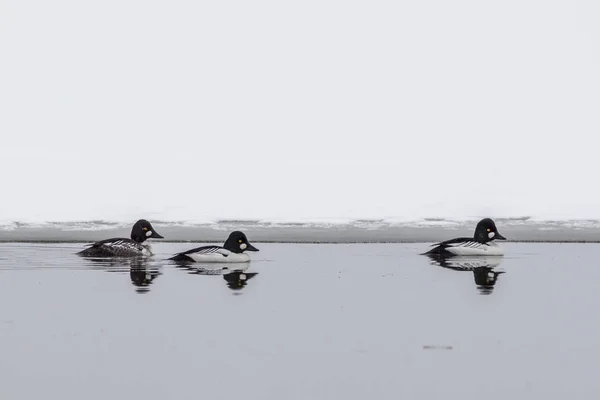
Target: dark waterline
[(516, 229), (316, 321)]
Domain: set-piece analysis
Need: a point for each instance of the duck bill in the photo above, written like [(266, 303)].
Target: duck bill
[(499, 236), (155, 235), (249, 247)]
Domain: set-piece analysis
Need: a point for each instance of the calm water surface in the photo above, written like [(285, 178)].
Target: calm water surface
[(304, 321)]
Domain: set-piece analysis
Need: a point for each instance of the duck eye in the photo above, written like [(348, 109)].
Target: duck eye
[(144, 229), (240, 240)]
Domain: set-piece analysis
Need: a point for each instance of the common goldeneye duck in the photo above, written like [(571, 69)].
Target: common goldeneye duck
[(121, 247), (233, 251), (481, 244)]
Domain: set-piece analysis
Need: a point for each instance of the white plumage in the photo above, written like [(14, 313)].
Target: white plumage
[(472, 248), (218, 254)]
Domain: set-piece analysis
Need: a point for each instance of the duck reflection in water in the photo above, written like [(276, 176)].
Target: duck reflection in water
[(237, 280), (236, 277), (484, 275), (141, 272), (143, 277)]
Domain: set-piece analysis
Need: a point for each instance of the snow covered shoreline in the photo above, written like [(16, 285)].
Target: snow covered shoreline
[(516, 229)]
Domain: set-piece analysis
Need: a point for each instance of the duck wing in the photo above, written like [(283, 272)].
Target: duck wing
[(119, 247), (441, 248), (199, 251)]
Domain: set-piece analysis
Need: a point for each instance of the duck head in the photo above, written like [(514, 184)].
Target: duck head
[(237, 242), (143, 230), (486, 231)]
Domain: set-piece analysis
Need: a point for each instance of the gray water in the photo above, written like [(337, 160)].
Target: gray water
[(317, 321)]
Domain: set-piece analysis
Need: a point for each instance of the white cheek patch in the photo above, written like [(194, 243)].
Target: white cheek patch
[(243, 246), (491, 235), (149, 233)]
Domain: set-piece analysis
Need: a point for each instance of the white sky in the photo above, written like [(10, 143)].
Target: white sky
[(298, 110)]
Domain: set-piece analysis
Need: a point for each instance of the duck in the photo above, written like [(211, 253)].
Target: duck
[(141, 231), (233, 251), (483, 243)]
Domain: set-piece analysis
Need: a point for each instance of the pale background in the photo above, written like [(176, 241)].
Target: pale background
[(195, 111)]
